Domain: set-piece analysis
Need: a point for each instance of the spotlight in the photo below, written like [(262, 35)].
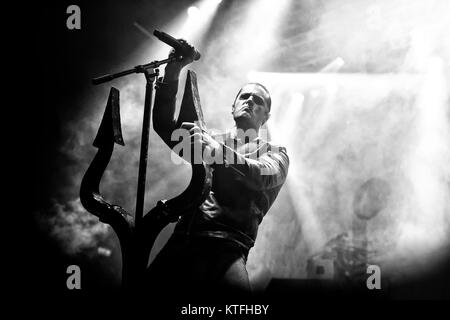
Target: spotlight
[(193, 12)]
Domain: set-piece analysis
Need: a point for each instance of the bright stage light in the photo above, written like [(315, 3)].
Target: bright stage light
[(193, 12), (199, 19), (203, 9), (389, 36), (253, 34)]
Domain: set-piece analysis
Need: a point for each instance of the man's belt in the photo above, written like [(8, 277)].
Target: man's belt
[(242, 240)]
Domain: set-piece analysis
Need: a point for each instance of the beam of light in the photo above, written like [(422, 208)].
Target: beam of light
[(193, 12), (426, 228), (199, 20), (191, 27), (384, 36), (360, 126), (251, 34)]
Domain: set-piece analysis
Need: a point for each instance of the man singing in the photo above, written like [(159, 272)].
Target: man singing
[(208, 250)]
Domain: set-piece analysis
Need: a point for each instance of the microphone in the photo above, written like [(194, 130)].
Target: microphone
[(179, 46)]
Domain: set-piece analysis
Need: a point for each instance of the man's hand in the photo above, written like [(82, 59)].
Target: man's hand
[(173, 69), (201, 142)]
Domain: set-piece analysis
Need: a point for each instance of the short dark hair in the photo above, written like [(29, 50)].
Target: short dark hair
[(269, 100)]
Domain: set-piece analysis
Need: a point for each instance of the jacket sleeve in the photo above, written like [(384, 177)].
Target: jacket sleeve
[(164, 122), (265, 172)]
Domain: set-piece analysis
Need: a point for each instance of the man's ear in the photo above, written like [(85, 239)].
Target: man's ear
[(232, 108)]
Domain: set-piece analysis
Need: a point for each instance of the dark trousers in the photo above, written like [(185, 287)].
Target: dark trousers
[(198, 266)]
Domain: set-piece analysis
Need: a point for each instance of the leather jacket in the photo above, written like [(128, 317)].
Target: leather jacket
[(237, 203)]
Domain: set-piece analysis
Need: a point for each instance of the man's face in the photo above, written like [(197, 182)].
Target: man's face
[(250, 106)]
